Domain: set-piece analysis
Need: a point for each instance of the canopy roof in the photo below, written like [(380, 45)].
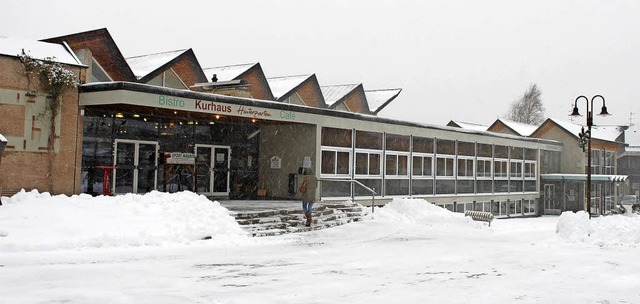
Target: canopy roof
[(583, 177)]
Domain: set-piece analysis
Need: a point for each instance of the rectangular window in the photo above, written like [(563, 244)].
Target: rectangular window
[(444, 166), (466, 148), (446, 147), (483, 168), (500, 168), (422, 166), (422, 144), (465, 167), (529, 169), (335, 162), (516, 169), (368, 163), (368, 140), (336, 137), (397, 165), (397, 142)]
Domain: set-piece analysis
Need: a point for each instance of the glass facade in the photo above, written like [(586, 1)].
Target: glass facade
[(401, 165), (226, 154)]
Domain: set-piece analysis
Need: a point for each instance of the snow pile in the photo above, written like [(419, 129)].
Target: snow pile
[(419, 211), (39, 221), (604, 231)]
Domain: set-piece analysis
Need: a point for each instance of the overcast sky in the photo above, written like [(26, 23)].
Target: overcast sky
[(462, 60)]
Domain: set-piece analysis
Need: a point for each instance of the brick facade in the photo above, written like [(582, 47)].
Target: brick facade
[(25, 125)]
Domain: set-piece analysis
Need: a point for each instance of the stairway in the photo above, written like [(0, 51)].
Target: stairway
[(291, 220)]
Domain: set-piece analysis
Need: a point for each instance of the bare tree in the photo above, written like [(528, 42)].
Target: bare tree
[(528, 109)]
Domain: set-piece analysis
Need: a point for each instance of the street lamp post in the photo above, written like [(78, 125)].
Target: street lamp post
[(603, 112)]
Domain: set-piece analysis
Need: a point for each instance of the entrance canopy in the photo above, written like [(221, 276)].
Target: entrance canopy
[(583, 177)]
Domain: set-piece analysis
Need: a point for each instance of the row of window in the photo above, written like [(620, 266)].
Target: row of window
[(602, 162), (414, 156)]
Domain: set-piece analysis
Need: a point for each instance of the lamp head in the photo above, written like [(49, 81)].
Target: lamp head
[(575, 112), (604, 111)]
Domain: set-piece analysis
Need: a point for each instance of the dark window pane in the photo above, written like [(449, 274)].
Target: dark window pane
[(445, 186), (446, 147), (336, 137), (374, 164), (368, 140), (397, 142), (392, 165), (484, 150), (343, 163), (501, 151), (396, 187), (402, 165), (423, 145), (417, 166), (466, 148), (517, 153), (328, 162), (422, 186), (465, 186), (362, 163)]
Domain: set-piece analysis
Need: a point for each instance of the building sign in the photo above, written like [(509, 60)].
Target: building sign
[(179, 158), (207, 106), (276, 162)]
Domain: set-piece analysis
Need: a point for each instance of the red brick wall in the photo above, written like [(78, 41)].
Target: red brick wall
[(28, 170), (258, 84), (311, 94)]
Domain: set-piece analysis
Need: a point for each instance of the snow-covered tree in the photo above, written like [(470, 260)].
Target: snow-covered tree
[(528, 109)]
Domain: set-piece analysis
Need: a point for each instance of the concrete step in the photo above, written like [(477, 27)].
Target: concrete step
[(277, 222)]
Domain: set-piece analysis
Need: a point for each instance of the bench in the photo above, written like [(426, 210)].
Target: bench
[(480, 216)]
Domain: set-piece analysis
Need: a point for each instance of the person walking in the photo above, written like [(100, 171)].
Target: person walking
[(308, 193)]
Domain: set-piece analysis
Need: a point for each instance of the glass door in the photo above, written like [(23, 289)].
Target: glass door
[(136, 166), (124, 162), (549, 197), (204, 171), (212, 165), (221, 170), (147, 167)]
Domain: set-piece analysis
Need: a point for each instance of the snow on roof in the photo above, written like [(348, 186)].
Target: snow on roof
[(145, 64), (520, 128), (334, 93), (378, 98), (2, 138), (280, 86), (37, 50), (608, 133), (632, 135), (471, 126), (226, 73)]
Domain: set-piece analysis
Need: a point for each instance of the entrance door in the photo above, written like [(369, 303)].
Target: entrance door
[(549, 198), (136, 166), (212, 165)]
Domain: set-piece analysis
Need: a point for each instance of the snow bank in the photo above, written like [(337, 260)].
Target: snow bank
[(420, 211), (40, 221), (604, 231)]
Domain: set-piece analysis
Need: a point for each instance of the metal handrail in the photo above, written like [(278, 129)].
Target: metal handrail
[(372, 190)]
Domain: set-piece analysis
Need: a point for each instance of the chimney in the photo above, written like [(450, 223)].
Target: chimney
[(214, 78)]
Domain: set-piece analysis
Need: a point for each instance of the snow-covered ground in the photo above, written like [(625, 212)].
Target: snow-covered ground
[(149, 249)]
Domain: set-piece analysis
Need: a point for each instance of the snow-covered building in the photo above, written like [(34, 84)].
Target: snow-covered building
[(240, 80), (467, 125), (629, 159), (300, 89), (506, 126), (563, 182), (346, 97), (160, 122)]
